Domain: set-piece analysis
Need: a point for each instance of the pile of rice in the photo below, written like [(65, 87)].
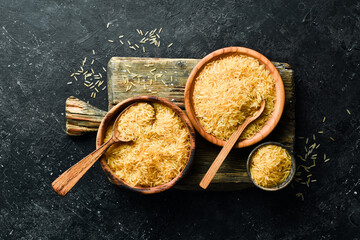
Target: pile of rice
[(270, 166), (230, 89), (159, 152)]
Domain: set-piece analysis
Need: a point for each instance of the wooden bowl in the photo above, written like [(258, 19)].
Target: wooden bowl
[(278, 108), (289, 178), (111, 116)]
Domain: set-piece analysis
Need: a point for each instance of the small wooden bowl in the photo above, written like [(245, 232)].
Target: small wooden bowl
[(278, 108), (111, 116), (289, 178)]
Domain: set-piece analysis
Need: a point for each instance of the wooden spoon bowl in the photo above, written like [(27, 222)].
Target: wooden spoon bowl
[(111, 116), (279, 87)]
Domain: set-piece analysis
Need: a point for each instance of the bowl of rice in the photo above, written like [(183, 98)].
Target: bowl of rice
[(226, 87), (271, 166), (161, 154)]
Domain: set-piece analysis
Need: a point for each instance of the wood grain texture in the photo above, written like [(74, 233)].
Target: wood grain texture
[(81, 117), (232, 174)]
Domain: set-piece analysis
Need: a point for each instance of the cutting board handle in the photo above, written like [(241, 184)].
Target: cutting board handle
[(81, 117)]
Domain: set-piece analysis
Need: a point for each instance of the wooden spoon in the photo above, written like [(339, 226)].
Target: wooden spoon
[(66, 181), (227, 148)]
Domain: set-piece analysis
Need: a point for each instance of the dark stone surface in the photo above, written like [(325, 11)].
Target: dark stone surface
[(43, 42)]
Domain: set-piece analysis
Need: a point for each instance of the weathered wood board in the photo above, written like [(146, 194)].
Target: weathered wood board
[(165, 77)]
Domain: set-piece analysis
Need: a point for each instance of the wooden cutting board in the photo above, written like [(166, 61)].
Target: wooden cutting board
[(166, 77)]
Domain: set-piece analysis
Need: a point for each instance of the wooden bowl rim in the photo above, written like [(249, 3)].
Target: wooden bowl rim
[(114, 112), (278, 108), (289, 178)]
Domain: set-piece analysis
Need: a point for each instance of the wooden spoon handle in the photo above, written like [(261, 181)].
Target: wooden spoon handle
[(222, 155), (66, 181)]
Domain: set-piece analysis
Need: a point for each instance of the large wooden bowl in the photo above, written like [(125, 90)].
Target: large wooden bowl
[(111, 116), (278, 108)]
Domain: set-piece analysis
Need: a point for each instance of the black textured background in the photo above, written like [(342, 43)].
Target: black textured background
[(43, 42)]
